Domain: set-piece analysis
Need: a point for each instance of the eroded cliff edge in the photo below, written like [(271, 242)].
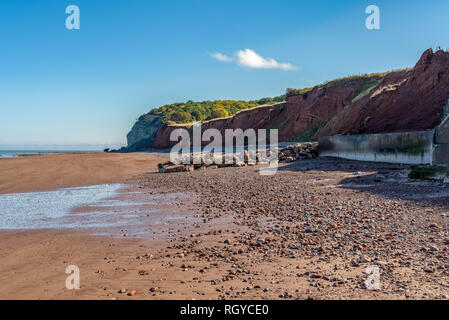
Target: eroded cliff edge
[(390, 102)]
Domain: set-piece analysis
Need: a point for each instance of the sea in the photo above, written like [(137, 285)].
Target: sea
[(18, 153)]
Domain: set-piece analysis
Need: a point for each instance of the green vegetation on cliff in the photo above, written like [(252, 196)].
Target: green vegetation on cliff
[(297, 92), (190, 111)]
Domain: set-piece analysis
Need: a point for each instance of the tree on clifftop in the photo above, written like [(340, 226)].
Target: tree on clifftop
[(219, 113)]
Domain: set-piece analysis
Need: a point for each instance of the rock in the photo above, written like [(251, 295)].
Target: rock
[(169, 167), (143, 131), (308, 230), (300, 151), (364, 259)]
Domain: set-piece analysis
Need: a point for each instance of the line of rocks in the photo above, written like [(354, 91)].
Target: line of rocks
[(301, 151)]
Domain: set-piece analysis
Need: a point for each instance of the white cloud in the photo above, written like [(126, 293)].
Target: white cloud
[(221, 57), (251, 59)]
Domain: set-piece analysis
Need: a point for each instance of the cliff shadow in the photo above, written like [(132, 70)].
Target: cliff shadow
[(383, 179)]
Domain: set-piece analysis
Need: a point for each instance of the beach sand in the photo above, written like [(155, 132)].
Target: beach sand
[(309, 232), (49, 172)]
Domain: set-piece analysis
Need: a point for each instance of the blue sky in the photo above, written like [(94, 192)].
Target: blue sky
[(88, 86)]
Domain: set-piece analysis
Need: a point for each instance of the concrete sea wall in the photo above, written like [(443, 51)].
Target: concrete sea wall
[(441, 148), (442, 132), (404, 147)]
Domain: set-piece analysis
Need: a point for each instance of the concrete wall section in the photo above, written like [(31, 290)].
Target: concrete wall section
[(440, 154), (442, 132), (404, 147)]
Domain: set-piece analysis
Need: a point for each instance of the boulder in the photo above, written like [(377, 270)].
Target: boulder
[(169, 167)]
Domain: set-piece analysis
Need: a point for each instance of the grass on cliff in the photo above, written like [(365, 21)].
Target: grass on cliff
[(297, 92), (368, 82)]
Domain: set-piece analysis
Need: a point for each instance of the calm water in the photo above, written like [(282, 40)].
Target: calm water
[(16, 153), (51, 209), (106, 210)]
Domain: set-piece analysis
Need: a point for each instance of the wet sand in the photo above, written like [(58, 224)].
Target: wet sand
[(109, 250)]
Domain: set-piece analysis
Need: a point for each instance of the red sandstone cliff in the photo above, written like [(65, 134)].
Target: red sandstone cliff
[(391, 102), (412, 102), (293, 118)]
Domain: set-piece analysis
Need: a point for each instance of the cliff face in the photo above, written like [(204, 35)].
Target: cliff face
[(296, 119), (414, 101), (143, 132), (397, 101)]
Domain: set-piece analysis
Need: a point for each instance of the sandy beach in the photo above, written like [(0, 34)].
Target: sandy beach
[(309, 232), (49, 172)]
